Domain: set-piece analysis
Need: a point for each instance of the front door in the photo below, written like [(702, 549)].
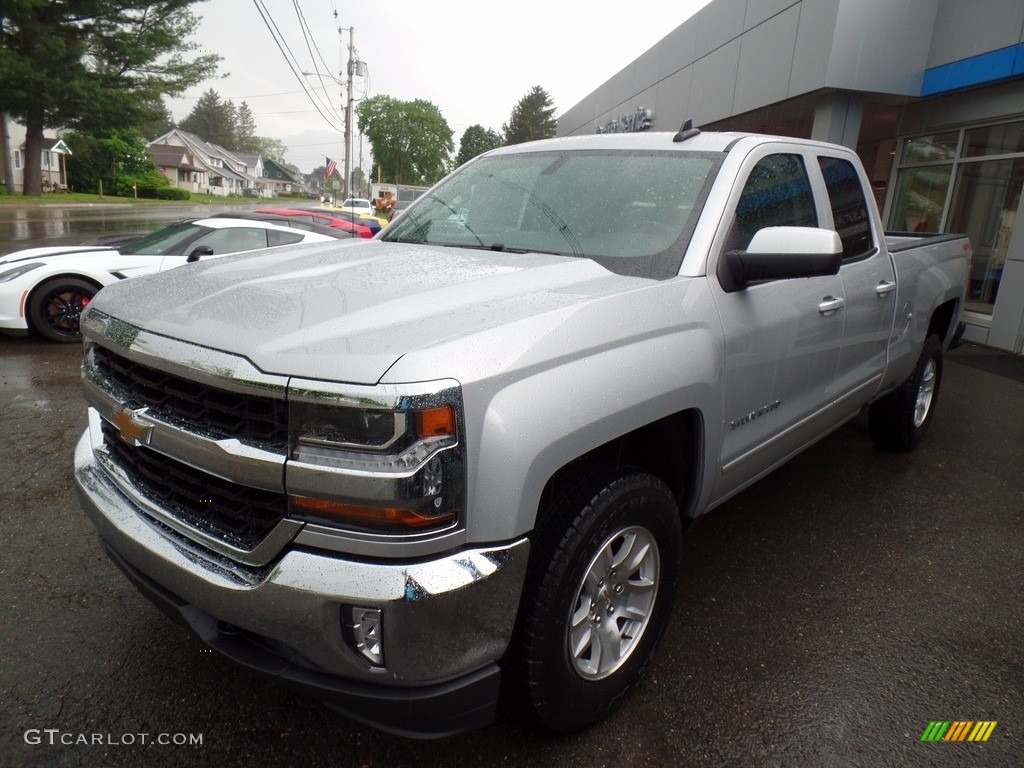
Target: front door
[(782, 338)]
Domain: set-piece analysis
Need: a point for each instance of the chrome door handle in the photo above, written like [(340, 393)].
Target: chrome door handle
[(884, 287), (831, 304)]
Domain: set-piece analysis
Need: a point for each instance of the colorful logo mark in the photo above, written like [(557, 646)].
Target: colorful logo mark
[(958, 730)]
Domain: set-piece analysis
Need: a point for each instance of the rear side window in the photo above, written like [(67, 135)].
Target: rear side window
[(276, 237), (849, 207), (234, 239), (777, 194)]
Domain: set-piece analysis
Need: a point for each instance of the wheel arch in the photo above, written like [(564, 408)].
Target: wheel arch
[(34, 290), (941, 321), (670, 448)]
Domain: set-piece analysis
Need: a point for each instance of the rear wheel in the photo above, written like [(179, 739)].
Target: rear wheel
[(900, 419), (56, 307), (599, 593)]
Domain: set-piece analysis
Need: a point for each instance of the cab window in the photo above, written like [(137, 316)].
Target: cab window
[(849, 207), (777, 193)]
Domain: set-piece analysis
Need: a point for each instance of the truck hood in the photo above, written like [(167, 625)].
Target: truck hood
[(348, 312)]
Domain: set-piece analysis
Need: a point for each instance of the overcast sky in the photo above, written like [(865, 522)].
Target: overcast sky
[(473, 60)]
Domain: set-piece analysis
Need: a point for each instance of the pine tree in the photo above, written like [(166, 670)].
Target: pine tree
[(532, 118), (92, 66), (245, 130), (212, 120)]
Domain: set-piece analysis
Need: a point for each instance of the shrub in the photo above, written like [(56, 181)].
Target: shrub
[(172, 193)]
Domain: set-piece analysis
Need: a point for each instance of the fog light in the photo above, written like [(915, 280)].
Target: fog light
[(367, 635)]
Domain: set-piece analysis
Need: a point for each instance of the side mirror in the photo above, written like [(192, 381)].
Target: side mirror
[(201, 250), (784, 253)]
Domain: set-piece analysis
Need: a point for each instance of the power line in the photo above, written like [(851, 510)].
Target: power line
[(291, 61)]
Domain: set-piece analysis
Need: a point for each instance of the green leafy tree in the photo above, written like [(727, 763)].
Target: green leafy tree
[(117, 158), (411, 140), (272, 148), (475, 141), (95, 65), (213, 120), (533, 117)]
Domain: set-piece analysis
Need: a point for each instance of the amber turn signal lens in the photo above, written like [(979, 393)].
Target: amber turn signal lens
[(435, 421), (376, 518)]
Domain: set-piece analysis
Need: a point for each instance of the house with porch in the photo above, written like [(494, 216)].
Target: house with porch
[(282, 178), (52, 166), (225, 172), (178, 165)]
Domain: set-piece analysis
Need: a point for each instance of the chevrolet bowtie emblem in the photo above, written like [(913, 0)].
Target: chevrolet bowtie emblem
[(130, 427)]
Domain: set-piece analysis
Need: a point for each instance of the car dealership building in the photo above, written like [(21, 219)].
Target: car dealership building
[(929, 92)]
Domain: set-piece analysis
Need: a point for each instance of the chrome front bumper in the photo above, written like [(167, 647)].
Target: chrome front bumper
[(443, 618)]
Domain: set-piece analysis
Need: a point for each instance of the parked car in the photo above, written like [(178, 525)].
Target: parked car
[(375, 223), (321, 218), (45, 289), (358, 205), (292, 222)]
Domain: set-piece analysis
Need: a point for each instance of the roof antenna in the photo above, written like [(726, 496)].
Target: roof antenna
[(686, 132)]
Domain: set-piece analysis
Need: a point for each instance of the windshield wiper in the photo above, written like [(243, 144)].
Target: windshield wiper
[(505, 249)]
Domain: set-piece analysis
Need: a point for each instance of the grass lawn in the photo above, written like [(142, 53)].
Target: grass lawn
[(80, 198)]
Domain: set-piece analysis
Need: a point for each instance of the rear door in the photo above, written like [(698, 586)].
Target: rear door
[(869, 285)]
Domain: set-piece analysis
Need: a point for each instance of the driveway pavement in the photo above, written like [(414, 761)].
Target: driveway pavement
[(827, 616)]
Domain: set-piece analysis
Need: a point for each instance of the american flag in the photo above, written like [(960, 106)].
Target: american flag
[(331, 168)]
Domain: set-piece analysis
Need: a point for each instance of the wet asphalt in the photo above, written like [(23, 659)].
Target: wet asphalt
[(826, 616)]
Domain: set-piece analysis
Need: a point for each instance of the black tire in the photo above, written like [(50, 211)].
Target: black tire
[(577, 594), (900, 419), (56, 306)]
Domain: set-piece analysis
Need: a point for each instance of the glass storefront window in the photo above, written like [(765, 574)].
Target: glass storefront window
[(919, 199), (1005, 139), (928, 149), (985, 202)]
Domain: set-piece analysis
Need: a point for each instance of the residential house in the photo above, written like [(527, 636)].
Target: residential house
[(283, 178), (52, 166), (252, 162), (226, 174), (177, 164)]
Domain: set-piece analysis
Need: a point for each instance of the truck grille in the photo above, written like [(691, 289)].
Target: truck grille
[(253, 420), (237, 514)]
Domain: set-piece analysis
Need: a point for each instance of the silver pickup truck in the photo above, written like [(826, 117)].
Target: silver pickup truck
[(398, 473)]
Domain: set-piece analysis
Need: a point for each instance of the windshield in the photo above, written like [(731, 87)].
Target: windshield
[(633, 212), (166, 240)]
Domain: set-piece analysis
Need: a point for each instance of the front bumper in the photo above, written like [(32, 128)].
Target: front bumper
[(446, 621)]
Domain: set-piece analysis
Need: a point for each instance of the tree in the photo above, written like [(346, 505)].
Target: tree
[(533, 117), (117, 158), (213, 120), (266, 148), (161, 122), (411, 141), (245, 129), (475, 141), (94, 65)]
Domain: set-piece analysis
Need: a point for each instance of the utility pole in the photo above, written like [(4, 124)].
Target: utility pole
[(348, 114)]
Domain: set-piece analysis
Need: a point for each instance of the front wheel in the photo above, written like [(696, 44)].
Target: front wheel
[(900, 419), (56, 307), (599, 593)]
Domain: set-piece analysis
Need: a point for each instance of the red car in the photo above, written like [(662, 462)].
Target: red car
[(317, 217)]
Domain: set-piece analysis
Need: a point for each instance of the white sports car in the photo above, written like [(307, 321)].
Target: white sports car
[(46, 289)]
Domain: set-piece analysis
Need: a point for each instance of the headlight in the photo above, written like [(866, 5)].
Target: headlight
[(18, 271), (391, 466)]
